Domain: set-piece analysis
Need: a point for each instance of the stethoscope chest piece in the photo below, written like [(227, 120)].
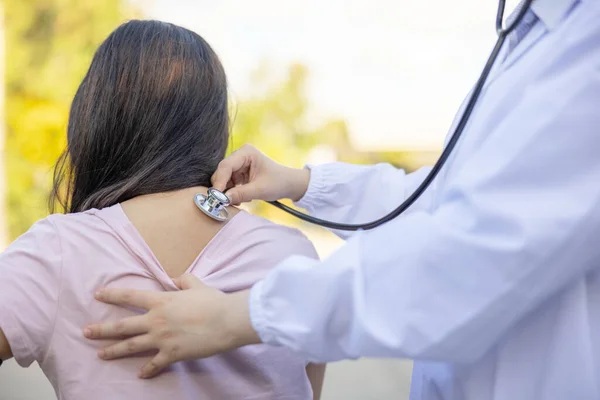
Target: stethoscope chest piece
[(213, 204)]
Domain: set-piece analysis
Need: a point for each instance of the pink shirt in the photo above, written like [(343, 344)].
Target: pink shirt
[(48, 277)]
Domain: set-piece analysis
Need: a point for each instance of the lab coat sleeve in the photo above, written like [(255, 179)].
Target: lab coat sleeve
[(516, 224), (353, 194)]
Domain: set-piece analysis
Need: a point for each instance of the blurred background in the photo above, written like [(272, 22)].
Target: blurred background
[(361, 81)]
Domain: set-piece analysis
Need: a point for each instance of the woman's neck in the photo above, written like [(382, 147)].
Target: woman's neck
[(173, 227)]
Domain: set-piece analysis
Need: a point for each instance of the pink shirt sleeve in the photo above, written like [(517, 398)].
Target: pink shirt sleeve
[(30, 275)]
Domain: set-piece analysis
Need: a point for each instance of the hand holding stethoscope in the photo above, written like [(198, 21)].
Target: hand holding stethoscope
[(247, 174)]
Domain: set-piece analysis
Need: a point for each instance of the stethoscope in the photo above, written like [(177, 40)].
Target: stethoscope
[(213, 204)]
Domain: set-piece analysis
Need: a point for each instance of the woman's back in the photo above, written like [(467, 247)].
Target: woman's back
[(48, 278)]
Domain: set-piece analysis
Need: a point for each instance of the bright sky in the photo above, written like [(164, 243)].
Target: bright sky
[(396, 70)]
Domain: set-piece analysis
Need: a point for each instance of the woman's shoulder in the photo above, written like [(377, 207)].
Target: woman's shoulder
[(89, 221), (44, 242), (52, 226), (253, 230), (246, 249), (260, 224), (255, 245), (73, 230)]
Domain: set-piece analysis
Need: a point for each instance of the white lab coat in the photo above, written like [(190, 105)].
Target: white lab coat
[(491, 282)]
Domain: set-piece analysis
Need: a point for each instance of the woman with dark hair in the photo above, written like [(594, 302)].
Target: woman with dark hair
[(148, 126)]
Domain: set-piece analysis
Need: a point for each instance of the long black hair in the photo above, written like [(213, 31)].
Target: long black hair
[(150, 116)]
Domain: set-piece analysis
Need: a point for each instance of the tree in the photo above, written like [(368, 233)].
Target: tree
[(49, 45)]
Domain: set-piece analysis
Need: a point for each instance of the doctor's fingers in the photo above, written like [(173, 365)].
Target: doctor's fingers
[(160, 361), (233, 165), (239, 162), (128, 347), (143, 299), (131, 326)]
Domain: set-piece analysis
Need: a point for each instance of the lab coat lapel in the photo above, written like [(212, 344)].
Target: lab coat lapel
[(528, 41)]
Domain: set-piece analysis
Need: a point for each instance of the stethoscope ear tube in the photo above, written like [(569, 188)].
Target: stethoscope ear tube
[(464, 119)]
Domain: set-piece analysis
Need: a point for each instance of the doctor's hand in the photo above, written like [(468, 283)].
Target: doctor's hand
[(247, 174), (196, 322)]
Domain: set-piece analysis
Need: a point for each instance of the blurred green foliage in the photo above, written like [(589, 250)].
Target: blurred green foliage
[(49, 45)]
